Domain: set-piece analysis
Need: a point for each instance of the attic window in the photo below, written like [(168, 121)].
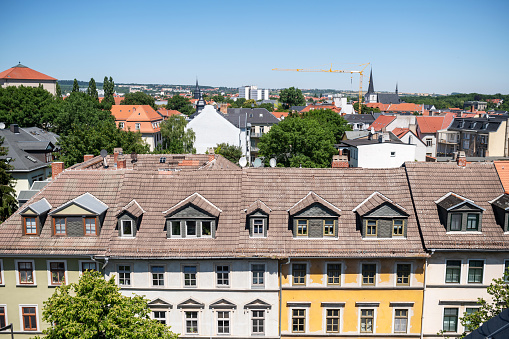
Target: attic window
[(485, 125), (30, 158), (472, 125), (261, 115)]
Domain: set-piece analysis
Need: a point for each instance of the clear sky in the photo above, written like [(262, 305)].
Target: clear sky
[(425, 46)]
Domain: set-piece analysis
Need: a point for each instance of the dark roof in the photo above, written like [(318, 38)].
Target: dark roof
[(35, 145), (501, 201), (297, 108), (451, 201), (255, 116), (495, 328), (475, 124), (354, 118), (352, 135), (362, 142), (42, 135), (388, 98), (371, 87)]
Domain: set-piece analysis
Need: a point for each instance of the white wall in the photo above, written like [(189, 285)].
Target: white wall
[(379, 155), (212, 129), (420, 147)]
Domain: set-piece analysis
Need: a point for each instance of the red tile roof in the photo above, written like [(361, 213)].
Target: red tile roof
[(400, 132), (312, 107), (133, 114), (168, 112), (280, 115), (24, 73), (382, 121), (503, 173)]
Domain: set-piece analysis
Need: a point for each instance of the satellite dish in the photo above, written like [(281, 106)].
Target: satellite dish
[(243, 162), (2, 125), (257, 162), (372, 130), (104, 153), (272, 162)]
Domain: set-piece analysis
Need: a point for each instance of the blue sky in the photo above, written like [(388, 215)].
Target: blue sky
[(424, 46)]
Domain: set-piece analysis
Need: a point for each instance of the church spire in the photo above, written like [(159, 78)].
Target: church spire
[(396, 88), (197, 91), (371, 88)]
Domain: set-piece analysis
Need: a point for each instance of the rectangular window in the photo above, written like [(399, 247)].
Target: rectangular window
[(367, 317), (397, 227), (258, 272), (403, 274), (472, 222), (450, 319), (299, 321), (189, 276), (400, 320), (160, 316), (299, 274), (90, 228), (475, 271), (29, 318), (2, 316), (333, 274), (368, 274), (26, 273), (30, 226), (302, 227), (456, 222), (258, 228), (124, 275), (191, 322), (121, 125), (191, 228), (127, 228), (332, 320), (137, 126), (88, 266), (223, 322), (468, 311), (223, 275), (453, 271), (157, 275), (258, 321), (59, 226), (175, 228), (429, 142), (371, 228), (328, 227), (206, 229), (57, 270)]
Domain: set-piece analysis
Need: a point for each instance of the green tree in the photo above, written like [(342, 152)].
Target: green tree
[(329, 119), (139, 98), (218, 98), (291, 97), (230, 152), (8, 201), (109, 90), (366, 109), (176, 140), (58, 91), (75, 86), (94, 308), (268, 106), (181, 104), (92, 89)]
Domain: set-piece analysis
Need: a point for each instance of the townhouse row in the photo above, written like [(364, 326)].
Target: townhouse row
[(218, 250)]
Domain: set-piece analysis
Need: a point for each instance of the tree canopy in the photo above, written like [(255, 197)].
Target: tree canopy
[(176, 140), (92, 90), (181, 104), (305, 140), (109, 90), (94, 308), (292, 97), (139, 98), (230, 152), (75, 86), (8, 201)]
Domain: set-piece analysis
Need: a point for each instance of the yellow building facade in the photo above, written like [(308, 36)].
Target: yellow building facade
[(352, 297)]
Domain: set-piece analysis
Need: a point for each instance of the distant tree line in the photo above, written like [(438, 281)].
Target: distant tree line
[(458, 100)]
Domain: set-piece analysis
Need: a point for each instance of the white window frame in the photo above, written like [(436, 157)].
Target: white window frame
[(326, 276), (37, 322), (394, 308), (376, 273), (184, 275), (158, 319), (396, 273), (263, 277), (306, 317), (152, 277), (48, 268), (137, 126), (324, 317), (200, 229), (184, 327), (5, 311), (121, 125), (34, 275), (122, 229), (131, 275), (229, 275), (2, 278), (197, 226), (251, 318), (81, 262), (264, 225), (230, 312), (360, 316), (171, 229)]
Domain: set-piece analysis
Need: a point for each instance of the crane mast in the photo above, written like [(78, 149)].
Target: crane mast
[(330, 70)]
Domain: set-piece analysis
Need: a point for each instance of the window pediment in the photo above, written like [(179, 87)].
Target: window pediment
[(191, 303), (257, 303), (132, 208), (37, 208), (159, 303), (224, 304), (313, 200), (258, 206)]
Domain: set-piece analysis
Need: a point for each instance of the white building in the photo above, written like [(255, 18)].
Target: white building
[(252, 92), (342, 102)]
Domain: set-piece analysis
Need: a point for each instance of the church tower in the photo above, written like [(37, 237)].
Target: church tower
[(370, 95), (197, 91)]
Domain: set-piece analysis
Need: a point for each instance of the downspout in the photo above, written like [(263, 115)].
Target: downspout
[(424, 293), (280, 291)]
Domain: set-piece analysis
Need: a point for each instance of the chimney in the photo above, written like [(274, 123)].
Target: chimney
[(14, 128), (115, 157), (56, 169), (87, 157), (340, 160), (461, 159), (472, 109), (121, 164), (211, 157)]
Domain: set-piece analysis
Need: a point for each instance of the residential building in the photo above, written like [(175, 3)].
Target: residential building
[(253, 93), (359, 122), (21, 75), (29, 152), (386, 123), (427, 128), (139, 118), (342, 103), (406, 136), (476, 105)]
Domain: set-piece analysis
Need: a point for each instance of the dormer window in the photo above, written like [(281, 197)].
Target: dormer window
[(302, 227), (59, 226), (257, 220), (371, 227), (30, 226), (456, 221), (126, 229), (398, 227), (90, 226), (129, 219), (459, 214), (501, 208), (34, 216), (328, 227)]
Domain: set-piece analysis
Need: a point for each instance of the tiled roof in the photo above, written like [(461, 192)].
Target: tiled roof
[(168, 112), (310, 199), (477, 181), (196, 199), (373, 201), (20, 72), (132, 208), (503, 173), (317, 106), (430, 124), (145, 115), (400, 132), (280, 115), (258, 205), (382, 121)]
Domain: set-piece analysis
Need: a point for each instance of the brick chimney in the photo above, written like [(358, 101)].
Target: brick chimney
[(56, 169), (87, 157), (211, 157), (461, 159), (122, 163), (115, 157), (340, 161)]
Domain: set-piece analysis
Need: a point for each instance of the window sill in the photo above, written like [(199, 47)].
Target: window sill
[(26, 285)]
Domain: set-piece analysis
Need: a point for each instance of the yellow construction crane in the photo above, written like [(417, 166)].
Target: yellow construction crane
[(330, 70)]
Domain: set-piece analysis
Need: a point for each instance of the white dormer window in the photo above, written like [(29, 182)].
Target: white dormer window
[(127, 228)]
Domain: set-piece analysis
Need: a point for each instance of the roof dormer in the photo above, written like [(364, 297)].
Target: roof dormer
[(501, 208), (129, 219), (314, 217), (34, 216), (380, 217), (193, 217), (257, 219), (459, 214)]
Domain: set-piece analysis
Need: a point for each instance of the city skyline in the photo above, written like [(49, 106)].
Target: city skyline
[(437, 47)]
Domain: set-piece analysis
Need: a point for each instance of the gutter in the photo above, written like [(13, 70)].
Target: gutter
[(424, 294)]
